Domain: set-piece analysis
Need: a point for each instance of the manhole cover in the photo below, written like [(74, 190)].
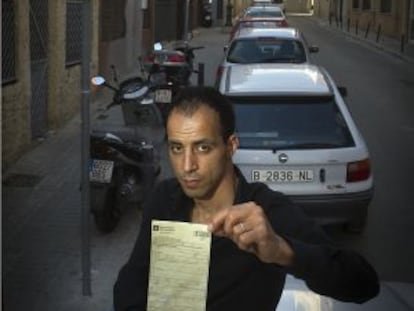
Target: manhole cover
[(21, 180)]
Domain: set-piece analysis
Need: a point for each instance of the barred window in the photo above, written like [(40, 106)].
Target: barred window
[(386, 6), (366, 4), (355, 4), (73, 32), (8, 46)]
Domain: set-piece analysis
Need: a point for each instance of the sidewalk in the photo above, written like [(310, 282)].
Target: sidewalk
[(392, 46), (42, 212)]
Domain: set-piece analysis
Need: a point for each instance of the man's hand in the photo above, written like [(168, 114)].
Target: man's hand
[(247, 225)]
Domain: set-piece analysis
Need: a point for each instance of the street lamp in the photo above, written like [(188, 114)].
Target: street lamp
[(229, 9)]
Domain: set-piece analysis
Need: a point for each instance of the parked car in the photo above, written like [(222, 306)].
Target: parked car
[(296, 296), (297, 135), (272, 14), (267, 45), (279, 3), (271, 45)]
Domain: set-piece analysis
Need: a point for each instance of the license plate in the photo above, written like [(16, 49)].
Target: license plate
[(163, 96), (282, 176), (100, 170)]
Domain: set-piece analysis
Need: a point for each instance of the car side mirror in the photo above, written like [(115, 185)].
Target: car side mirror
[(343, 91), (314, 49)]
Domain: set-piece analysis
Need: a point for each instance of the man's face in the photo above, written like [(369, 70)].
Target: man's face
[(199, 156)]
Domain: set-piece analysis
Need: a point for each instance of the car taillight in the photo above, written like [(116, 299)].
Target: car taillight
[(284, 23), (358, 171), (176, 58), (150, 58)]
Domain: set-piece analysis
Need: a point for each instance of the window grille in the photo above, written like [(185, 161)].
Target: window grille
[(386, 6), (355, 4), (366, 4), (73, 32), (8, 46)]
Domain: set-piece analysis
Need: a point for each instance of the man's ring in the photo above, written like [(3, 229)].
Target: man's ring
[(242, 227)]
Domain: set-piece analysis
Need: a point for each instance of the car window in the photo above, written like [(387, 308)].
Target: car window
[(266, 50), (263, 13), (283, 123)]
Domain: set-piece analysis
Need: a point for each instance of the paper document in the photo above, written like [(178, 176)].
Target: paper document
[(179, 264)]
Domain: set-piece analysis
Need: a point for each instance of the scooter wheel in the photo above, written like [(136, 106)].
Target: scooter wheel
[(107, 218)]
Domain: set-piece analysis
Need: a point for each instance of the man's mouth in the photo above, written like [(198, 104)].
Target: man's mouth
[(191, 182)]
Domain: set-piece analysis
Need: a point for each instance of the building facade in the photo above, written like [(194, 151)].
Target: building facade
[(392, 18), (41, 57)]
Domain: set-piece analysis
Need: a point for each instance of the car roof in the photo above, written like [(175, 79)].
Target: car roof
[(275, 80), (279, 32)]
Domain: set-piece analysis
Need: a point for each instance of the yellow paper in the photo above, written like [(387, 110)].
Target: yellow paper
[(179, 263)]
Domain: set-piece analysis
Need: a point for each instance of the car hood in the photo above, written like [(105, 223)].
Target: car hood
[(393, 296)]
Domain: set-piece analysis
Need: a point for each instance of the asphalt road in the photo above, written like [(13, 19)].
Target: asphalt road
[(380, 96)]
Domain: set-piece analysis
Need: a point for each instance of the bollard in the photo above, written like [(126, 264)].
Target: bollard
[(356, 27), (402, 43), (200, 75), (367, 30), (348, 24), (378, 33)]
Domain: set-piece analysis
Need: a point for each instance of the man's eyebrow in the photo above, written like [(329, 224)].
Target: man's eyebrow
[(196, 142)]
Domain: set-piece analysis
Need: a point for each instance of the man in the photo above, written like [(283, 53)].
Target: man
[(258, 234)]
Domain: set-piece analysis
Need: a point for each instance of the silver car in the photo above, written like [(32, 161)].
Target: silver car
[(298, 136), (260, 43)]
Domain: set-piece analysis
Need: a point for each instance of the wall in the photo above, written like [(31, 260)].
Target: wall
[(123, 48), (322, 8), (16, 132), (64, 83)]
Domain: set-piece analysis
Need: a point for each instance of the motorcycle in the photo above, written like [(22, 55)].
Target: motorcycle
[(124, 163), (170, 70), (206, 18)]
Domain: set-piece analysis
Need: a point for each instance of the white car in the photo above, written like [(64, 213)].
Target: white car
[(395, 296), (266, 44), (279, 3), (298, 136)]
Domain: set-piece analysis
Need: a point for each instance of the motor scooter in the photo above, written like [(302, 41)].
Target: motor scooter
[(124, 159), (206, 16), (170, 70)]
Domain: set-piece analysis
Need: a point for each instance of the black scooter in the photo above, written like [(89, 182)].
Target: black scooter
[(169, 70), (124, 161)]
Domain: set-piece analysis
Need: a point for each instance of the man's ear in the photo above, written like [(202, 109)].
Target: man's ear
[(233, 144)]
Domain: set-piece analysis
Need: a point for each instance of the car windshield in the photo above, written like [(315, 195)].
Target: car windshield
[(290, 123), (266, 50), (258, 12)]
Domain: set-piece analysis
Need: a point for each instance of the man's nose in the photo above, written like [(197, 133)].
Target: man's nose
[(190, 161)]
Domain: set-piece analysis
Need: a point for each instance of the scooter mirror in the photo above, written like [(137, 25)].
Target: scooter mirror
[(98, 80), (157, 46)]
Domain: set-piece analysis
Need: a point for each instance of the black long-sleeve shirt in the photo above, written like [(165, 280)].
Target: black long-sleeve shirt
[(239, 280)]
